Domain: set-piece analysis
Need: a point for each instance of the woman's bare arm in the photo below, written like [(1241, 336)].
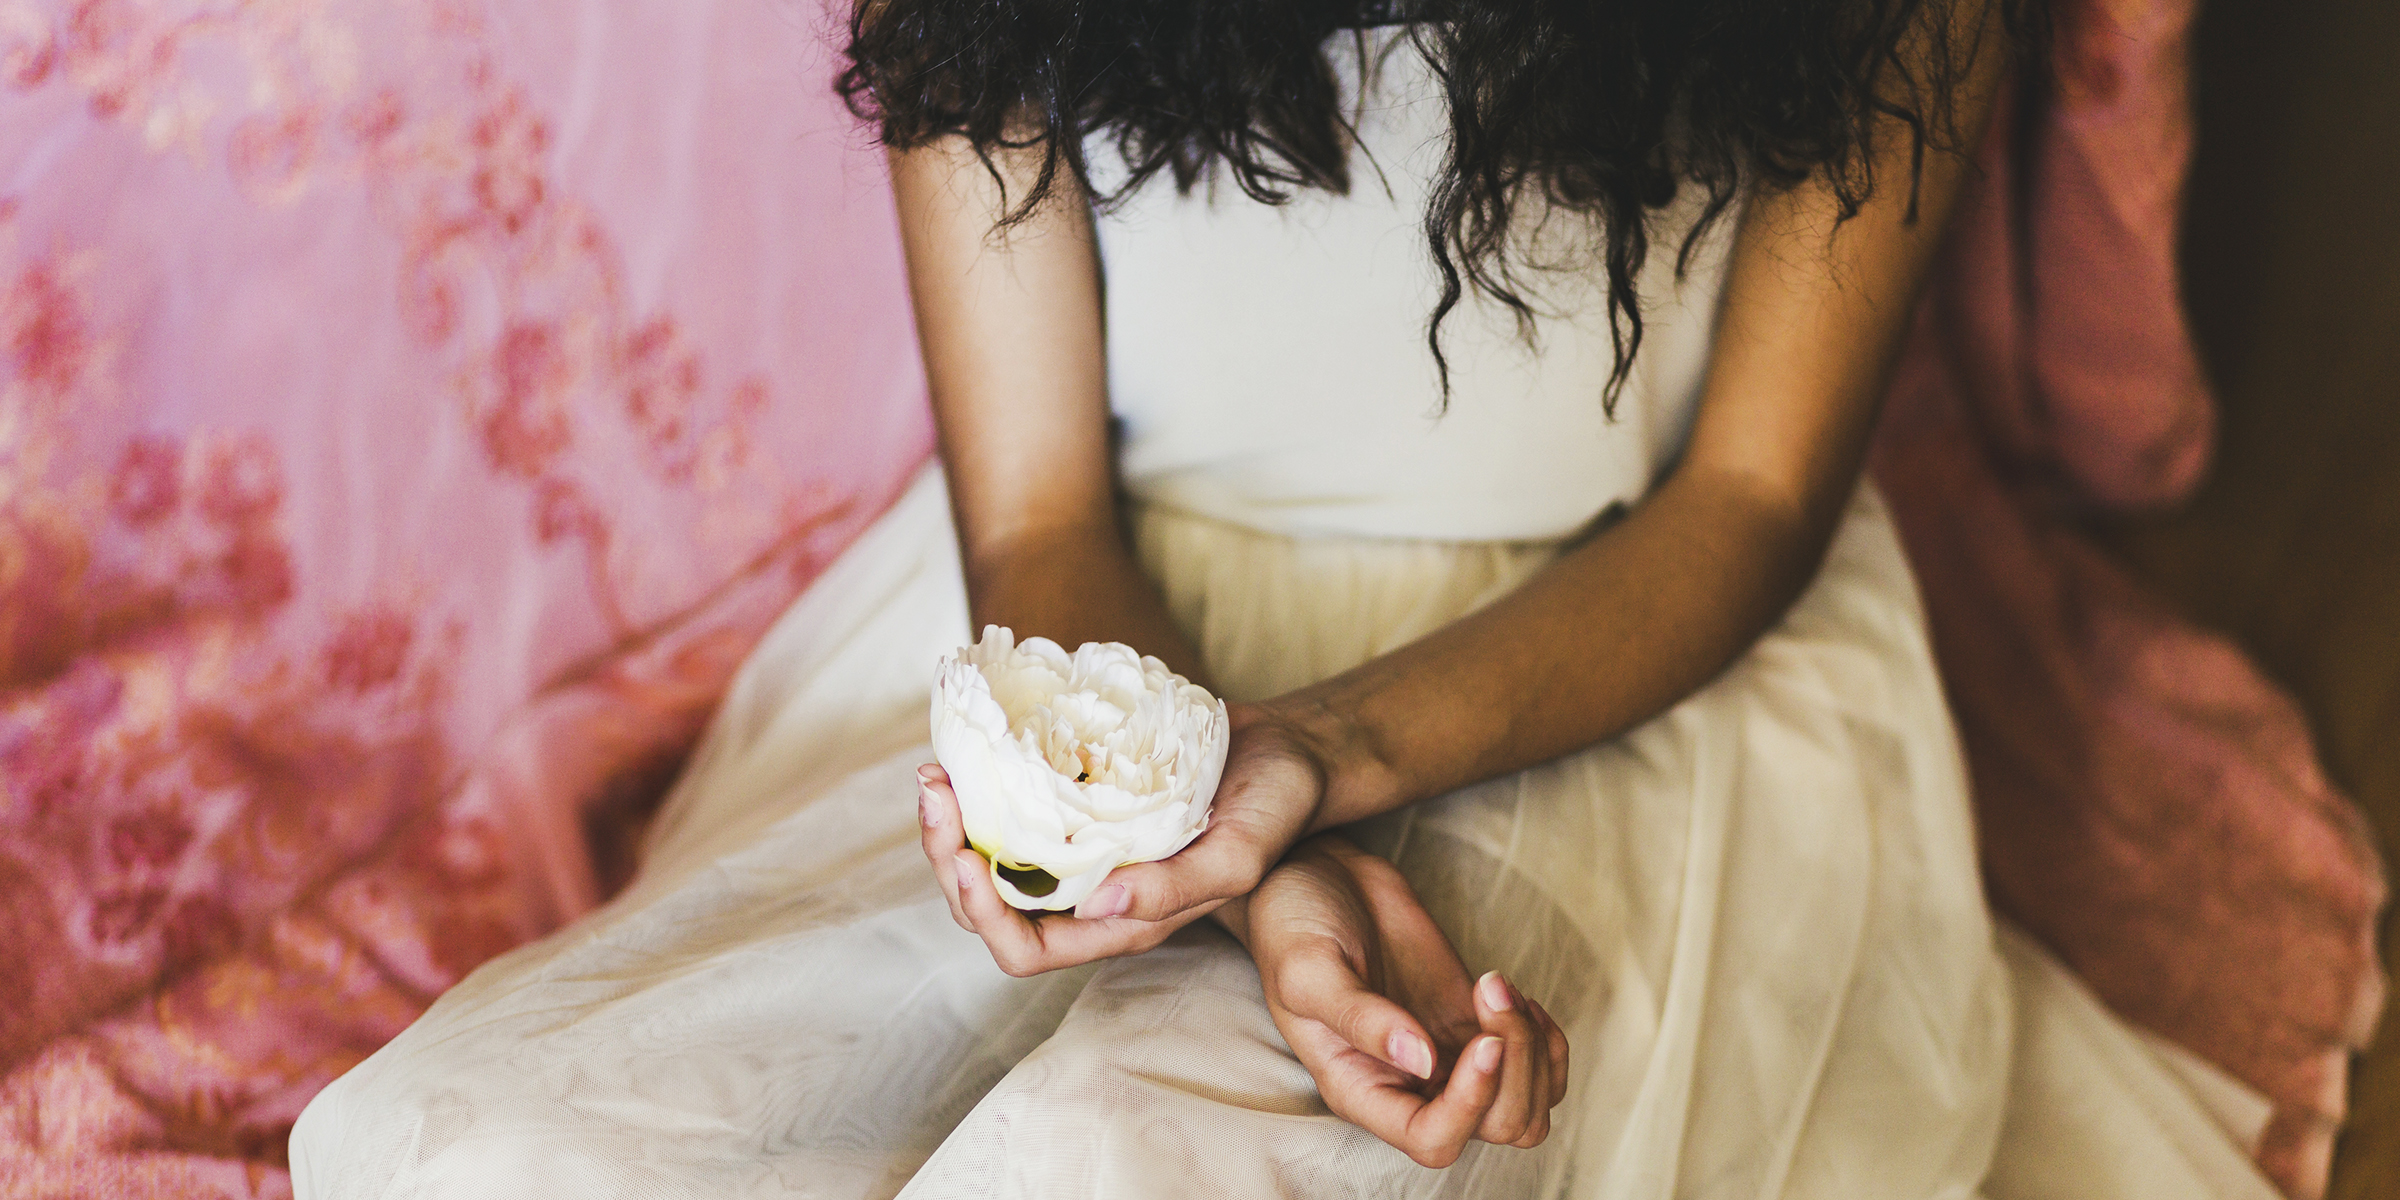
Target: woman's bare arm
[(1623, 627), (1010, 326), (1612, 633), (1009, 323)]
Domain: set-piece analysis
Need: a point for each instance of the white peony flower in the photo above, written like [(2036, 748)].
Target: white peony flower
[(1069, 766)]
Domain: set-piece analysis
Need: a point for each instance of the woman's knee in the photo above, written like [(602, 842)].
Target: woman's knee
[(458, 1131)]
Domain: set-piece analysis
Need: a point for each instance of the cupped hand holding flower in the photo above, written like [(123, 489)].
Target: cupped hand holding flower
[(1068, 766), (1084, 781)]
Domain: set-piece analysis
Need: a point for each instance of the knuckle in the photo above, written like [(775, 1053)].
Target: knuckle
[(1230, 868), (1437, 1157), (1338, 1103), (1322, 957), (1157, 902), (1308, 987), (1242, 879), (1354, 1017)]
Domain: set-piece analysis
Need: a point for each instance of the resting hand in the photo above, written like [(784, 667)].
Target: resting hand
[(1372, 998), (1269, 794)]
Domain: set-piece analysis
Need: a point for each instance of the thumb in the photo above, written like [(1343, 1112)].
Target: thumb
[(1319, 985), (1219, 866)]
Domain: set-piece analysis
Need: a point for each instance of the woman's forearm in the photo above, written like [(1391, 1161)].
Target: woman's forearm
[(1076, 584), (1611, 634), (1815, 305), (1009, 320)]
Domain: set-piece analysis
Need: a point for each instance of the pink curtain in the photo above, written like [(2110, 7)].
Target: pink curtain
[(2150, 805), (412, 414)]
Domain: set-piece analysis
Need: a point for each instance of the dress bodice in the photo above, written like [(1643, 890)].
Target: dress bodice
[(1268, 364)]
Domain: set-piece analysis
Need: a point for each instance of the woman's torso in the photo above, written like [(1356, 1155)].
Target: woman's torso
[(1268, 364)]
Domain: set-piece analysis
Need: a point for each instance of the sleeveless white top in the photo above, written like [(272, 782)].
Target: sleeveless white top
[(1268, 364)]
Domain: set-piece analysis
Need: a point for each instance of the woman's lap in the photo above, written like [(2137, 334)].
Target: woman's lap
[(770, 1025), (1754, 914), (779, 1005)]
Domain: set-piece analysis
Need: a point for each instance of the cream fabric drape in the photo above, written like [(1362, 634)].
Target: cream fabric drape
[(1757, 916)]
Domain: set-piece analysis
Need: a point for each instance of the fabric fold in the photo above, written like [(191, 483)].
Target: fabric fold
[(2151, 805)]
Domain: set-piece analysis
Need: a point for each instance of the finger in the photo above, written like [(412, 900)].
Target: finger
[(1026, 944), (1431, 1131), (1318, 985), (1537, 1095), (1007, 933), (1446, 1123), (1558, 1052), (1222, 864), (1512, 1114), (940, 833)]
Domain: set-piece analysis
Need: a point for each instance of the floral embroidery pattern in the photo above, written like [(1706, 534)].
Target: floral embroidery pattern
[(252, 819)]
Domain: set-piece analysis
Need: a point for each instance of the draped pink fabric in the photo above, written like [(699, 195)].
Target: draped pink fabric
[(2150, 805), (412, 415), (413, 412)]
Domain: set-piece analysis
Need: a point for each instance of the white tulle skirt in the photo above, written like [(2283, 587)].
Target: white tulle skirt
[(1758, 917)]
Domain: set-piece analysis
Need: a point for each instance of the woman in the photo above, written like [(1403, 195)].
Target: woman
[(1480, 400)]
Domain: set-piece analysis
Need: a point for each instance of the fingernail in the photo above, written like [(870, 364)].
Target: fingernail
[(1495, 992), (970, 865), (925, 773), (1487, 1054), (928, 814), (1410, 1053), (1109, 901)]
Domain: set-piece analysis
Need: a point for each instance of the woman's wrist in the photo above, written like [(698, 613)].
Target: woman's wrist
[(1074, 584), (1359, 779), (1233, 916)]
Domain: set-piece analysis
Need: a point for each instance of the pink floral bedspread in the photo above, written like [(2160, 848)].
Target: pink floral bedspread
[(411, 413)]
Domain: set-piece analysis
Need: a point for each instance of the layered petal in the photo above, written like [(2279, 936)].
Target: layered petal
[(1072, 765)]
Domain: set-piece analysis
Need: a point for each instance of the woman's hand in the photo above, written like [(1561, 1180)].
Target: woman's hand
[(1370, 995), (1273, 783)]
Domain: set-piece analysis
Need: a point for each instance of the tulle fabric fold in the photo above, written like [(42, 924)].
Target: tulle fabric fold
[(1758, 915)]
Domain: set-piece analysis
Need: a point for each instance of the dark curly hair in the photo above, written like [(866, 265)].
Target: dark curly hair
[(1605, 107)]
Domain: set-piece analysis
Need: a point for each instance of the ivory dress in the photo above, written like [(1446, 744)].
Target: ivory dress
[(1758, 916)]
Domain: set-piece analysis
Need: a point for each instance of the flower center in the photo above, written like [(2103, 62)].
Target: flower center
[(1033, 881)]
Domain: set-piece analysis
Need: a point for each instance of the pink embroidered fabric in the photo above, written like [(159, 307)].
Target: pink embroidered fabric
[(412, 415), (2149, 804)]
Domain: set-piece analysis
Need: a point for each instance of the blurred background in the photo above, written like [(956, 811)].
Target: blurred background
[(2292, 271)]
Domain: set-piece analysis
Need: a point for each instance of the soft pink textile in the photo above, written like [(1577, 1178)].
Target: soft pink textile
[(2150, 805), (412, 414)]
